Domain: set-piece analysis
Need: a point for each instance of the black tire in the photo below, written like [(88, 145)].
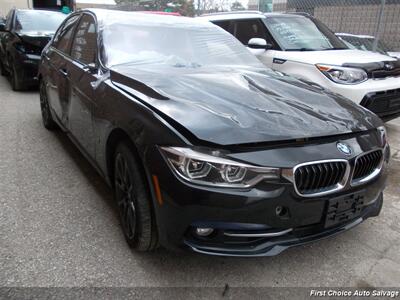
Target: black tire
[(3, 71), (16, 83), (133, 199), (47, 119)]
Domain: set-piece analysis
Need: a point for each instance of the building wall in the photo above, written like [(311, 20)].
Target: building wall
[(261, 5), (6, 5), (279, 5), (252, 5)]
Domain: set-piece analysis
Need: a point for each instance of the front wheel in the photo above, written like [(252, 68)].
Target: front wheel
[(133, 200), (2, 69), (47, 119), (16, 82)]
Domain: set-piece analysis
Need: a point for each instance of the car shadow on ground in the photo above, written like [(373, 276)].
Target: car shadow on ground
[(93, 177)]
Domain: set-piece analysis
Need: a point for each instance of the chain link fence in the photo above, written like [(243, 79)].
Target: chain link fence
[(377, 22), (376, 18)]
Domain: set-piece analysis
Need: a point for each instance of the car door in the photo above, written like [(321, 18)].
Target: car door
[(83, 73), (244, 30), (57, 57)]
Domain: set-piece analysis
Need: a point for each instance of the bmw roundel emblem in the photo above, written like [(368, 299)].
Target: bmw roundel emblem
[(344, 148)]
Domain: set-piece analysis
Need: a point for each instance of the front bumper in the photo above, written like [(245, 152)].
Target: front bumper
[(357, 92), (385, 104), (381, 96), (185, 206), (27, 66), (299, 236)]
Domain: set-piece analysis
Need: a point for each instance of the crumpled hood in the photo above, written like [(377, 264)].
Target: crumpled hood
[(37, 39), (242, 105), (333, 57)]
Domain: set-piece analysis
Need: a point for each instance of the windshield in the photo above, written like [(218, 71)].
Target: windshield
[(299, 33), (177, 46), (38, 20), (366, 44)]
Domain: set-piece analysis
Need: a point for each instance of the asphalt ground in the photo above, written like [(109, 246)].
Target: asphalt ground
[(59, 226)]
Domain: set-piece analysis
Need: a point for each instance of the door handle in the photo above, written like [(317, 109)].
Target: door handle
[(63, 71)]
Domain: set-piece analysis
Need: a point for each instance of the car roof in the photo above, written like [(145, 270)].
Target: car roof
[(246, 14), (232, 15), (361, 36), (107, 17)]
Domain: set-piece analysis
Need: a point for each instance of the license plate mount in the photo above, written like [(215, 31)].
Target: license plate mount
[(344, 208)]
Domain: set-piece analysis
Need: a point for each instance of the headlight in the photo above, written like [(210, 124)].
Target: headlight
[(212, 170), (343, 75), (383, 135)]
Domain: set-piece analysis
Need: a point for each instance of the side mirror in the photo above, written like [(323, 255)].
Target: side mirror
[(258, 43)]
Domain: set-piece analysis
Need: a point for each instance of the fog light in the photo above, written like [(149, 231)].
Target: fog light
[(204, 231)]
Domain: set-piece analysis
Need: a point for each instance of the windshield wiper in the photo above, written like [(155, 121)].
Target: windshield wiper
[(337, 48), (301, 49)]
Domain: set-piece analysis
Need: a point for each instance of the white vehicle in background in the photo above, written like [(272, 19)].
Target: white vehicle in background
[(302, 46), (366, 43)]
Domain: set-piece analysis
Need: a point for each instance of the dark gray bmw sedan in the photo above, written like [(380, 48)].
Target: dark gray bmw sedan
[(204, 148)]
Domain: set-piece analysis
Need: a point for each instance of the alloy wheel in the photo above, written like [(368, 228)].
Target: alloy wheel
[(125, 196), (44, 104), (12, 77)]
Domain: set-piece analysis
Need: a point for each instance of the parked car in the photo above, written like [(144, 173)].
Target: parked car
[(302, 46), (204, 147), (366, 43), (22, 39)]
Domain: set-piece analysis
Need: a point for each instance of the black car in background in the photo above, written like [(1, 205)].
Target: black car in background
[(203, 146), (22, 39)]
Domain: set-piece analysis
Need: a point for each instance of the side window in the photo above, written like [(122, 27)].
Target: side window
[(226, 25), (64, 35), (248, 29), (84, 47)]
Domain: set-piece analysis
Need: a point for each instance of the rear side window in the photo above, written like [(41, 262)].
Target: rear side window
[(248, 29), (226, 25), (85, 41), (62, 40)]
